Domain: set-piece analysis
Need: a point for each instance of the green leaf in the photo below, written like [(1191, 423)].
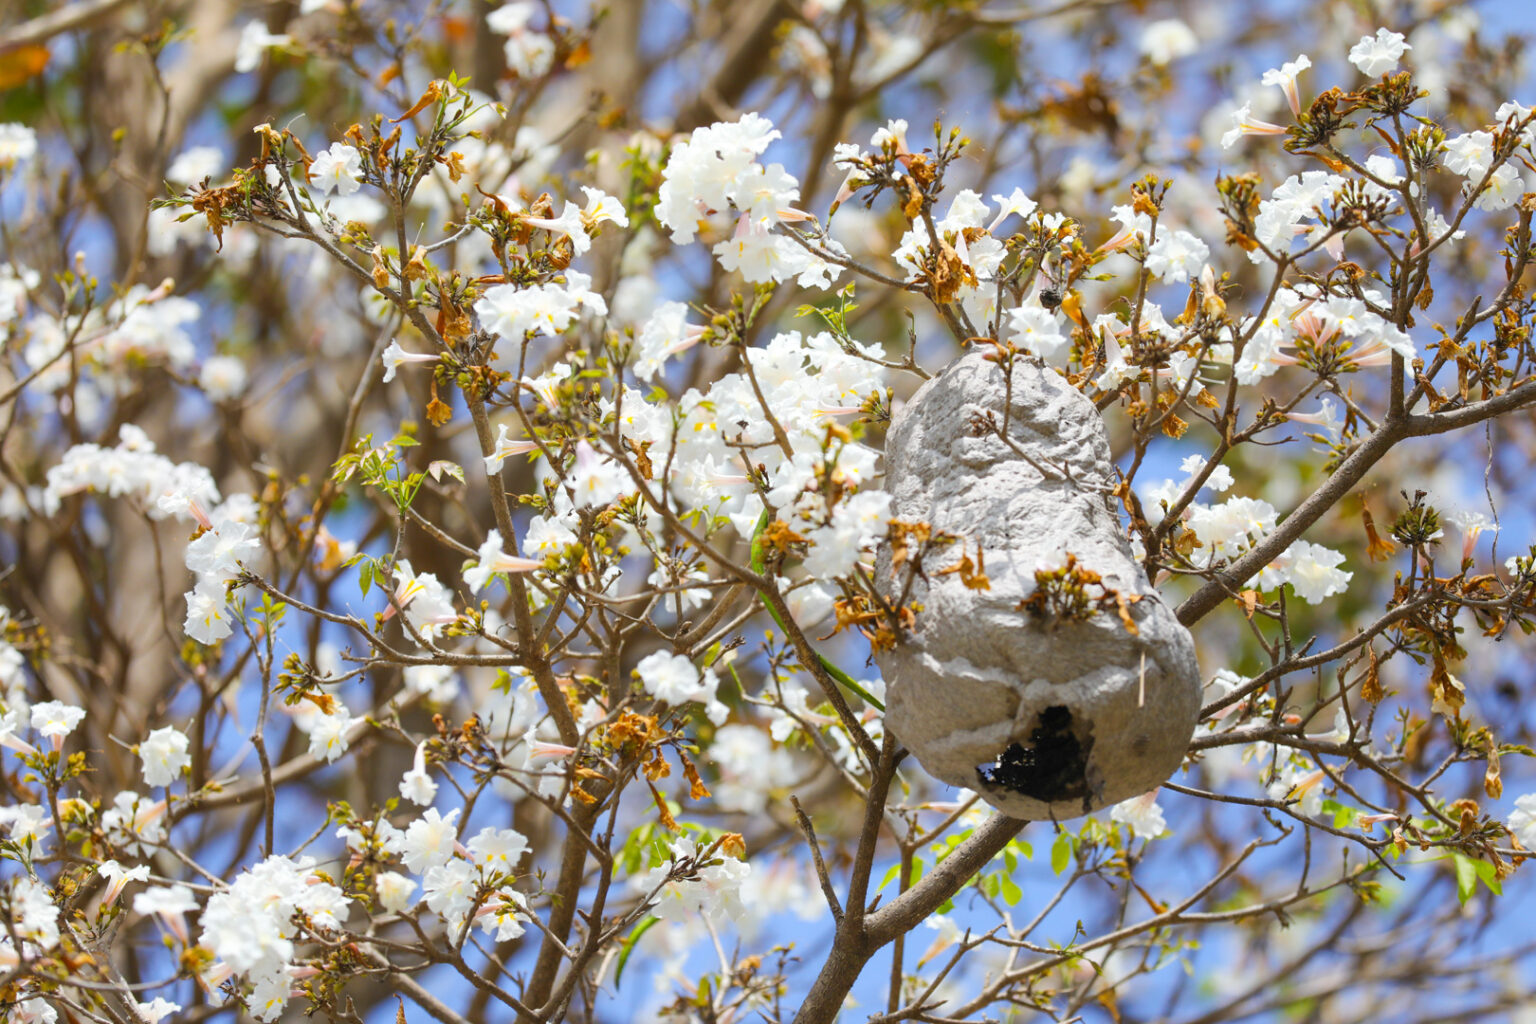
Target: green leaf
[(1343, 815), (365, 576), (629, 943), (1466, 877), (1061, 852), (1489, 875), (890, 876), (1011, 891)]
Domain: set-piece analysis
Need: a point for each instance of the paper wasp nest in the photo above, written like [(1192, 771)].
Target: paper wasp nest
[(1038, 695)]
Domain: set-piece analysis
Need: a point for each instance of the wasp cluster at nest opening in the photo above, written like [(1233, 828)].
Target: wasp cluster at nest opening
[(1053, 767)]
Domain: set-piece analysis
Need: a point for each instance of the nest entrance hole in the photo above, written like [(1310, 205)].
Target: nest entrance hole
[(1054, 764)]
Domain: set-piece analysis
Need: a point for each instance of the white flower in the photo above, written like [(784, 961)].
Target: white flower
[(1504, 189), (394, 355), (1244, 123), (701, 173), (207, 612), (219, 552), (498, 849), (168, 903), (254, 40), (597, 480), (449, 889), (18, 143), (34, 917), (529, 54), (1311, 570), (547, 537), (505, 447), (713, 893), (394, 891), (548, 309), (1285, 77), (156, 1010), (1177, 256), (1035, 329), (1016, 202), (416, 785), (55, 720), (1470, 154), (338, 169), (494, 560), (1142, 814), (1166, 40), (670, 677), (164, 753), (1522, 820), (222, 377), (118, 876), (1378, 54), (428, 842), (329, 733), (193, 165), (510, 18)]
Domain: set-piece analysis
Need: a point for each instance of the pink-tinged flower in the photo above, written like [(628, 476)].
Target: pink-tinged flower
[(541, 752), (1141, 814), (1285, 77), (493, 559), (55, 720), (170, 904), (506, 447), (1244, 123), (1016, 202), (1131, 223), (394, 355), (9, 723), (569, 223), (118, 876), (1472, 524)]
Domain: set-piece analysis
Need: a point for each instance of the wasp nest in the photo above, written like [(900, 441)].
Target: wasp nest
[(1040, 668)]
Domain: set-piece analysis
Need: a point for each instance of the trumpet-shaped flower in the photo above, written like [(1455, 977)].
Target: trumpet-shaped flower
[(493, 559), (1285, 77), (416, 785), (1244, 123), (394, 355)]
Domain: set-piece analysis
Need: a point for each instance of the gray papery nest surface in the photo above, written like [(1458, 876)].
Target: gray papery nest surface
[(1045, 715)]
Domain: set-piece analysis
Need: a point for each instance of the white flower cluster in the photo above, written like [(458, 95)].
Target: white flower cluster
[(675, 679), (1228, 529), (967, 231), (716, 169), (216, 556), (1471, 155), (468, 884), (250, 926), (1345, 328), (713, 893), (107, 344), (529, 54), (133, 469)]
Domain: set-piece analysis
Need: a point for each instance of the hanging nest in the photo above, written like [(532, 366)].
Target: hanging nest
[(1040, 669)]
